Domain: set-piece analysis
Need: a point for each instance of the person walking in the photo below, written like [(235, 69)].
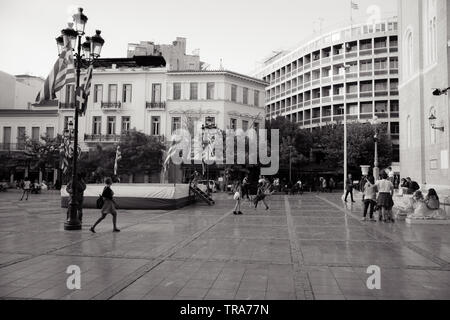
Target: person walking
[(385, 191), (331, 184), (349, 188), (109, 206), (26, 187), (81, 187), (369, 198), (324, 185), (261, 196), (245, 187), (237, 197)]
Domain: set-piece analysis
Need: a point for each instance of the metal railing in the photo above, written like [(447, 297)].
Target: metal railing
[(111, 105), (70, 105), (155, 105), (12, 146)]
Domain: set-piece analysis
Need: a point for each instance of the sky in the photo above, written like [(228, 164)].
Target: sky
[(240, 32)]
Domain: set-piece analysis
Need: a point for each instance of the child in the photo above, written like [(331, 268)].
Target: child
[(237, 197), (432, 200)]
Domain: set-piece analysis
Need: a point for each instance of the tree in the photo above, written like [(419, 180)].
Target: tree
[(141, 153)]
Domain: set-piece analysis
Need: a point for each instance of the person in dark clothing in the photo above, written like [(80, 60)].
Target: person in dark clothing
[(261, 196), (349, 188), (109, 206), (245, 187), (413, 186), (81, 187)]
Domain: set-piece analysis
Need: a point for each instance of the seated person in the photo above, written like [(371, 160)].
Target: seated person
[(426, 208), (412, 186)]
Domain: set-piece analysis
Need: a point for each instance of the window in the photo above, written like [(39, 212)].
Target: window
[(431, 32), (408, 54), (233, 124), (193, 91), (380, 64), (67, 119), (177, 91), (98, 93), (394, 85), (381, 106), (126, 122), (176, 123), (112, 93), (244, 125), (395, 128), (210, 90), (111, 125), (256, 98), (156, 92), (233, 93), (381, 85), (21, 137), (126, 94), (210, 121), (366, 107), (245, 96), (393, 63), (70, 94), (394, 106), (35, 133), (366, 65), (156, 126), (6, 137), (256, 126), (96, 125), (366, 86)]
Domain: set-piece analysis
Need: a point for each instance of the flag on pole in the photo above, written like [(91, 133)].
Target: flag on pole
[(118, 157), (86, 85), (355, 6), (63, 73)]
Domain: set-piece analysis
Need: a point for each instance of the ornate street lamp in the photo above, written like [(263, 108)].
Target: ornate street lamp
[(376, 170), (60, 43), (85, 53)]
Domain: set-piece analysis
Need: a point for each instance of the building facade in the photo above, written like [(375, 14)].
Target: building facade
[(141, 93), (424, 31), (356, 68), (18, 92), (174, 54)]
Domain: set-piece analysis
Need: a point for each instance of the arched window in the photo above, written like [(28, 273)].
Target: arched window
[(409, 131), (431, 31), (408, 54)]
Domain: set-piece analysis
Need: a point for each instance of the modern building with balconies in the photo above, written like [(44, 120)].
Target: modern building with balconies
[(354, 68)]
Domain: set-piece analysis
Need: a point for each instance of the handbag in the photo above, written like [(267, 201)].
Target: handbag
[(100, 202), (237, 195)]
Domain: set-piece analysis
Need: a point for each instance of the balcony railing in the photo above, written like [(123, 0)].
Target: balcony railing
[(12, 147), (102, 137), (111, 105), (70, 105), (155, 105)]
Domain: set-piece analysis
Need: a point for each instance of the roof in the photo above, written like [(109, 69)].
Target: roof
[(135, 61), (218, 72)]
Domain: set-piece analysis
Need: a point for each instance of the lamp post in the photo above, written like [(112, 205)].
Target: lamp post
[(345, 67), (91, 51), (376, 170)]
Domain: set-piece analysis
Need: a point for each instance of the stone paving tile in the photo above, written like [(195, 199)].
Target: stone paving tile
[(201, 253)]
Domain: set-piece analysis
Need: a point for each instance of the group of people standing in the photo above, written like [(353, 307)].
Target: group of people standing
[(378, 195), (241, 191)]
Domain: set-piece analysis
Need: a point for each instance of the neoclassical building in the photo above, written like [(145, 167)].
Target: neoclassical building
[(141, 93), (356, 68), (424, 31)]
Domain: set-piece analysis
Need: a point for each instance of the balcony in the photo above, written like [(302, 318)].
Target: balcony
[(351, 96), (70, 105), (366, 94), (102, 137), (382, 114), (365, 52), (381, 72), (12, 147), (155, 105), (381, 93), (380, 50), (326, 99), (365, 73), (111, 105), (351, 55), (393, 49)]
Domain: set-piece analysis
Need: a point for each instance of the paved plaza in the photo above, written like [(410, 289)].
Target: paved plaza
[(305, 247)]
